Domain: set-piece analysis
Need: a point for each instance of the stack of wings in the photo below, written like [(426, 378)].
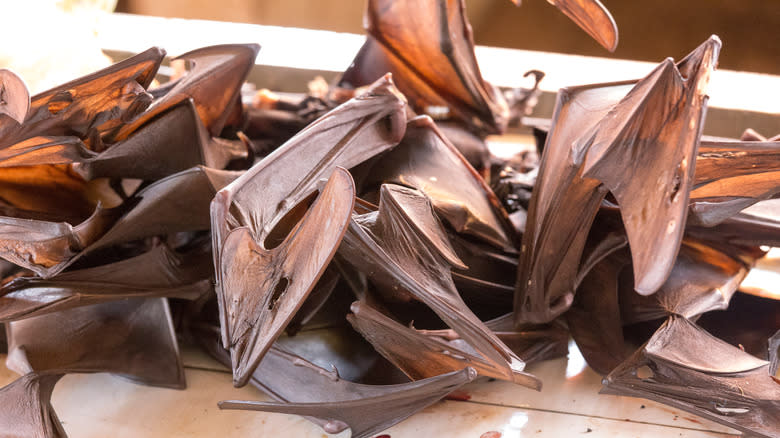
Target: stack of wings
[(357, 254)]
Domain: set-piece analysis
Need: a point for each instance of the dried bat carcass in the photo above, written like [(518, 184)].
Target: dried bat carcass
[(179, 202), (264, 275), (172, 142), (703, 279), (132, 338), (159, 272), (407, 254), (601, 133), (213, 83), (429, 49), (422, 356), (427, 161), (94, 106), (302, 388), (687, 368)]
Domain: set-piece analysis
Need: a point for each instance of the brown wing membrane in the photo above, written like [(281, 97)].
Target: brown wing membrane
[(45, 150), (93, 106), (592, 17), (422, 356), (177, 203), (594, 317), (408, 255), (427, 161), (335, 404), (262, 289), (703, 279), (172, 142), (687, 368), (562, 206), (246, 227), (657, 143), (48, 247), (156, 273), (731, 176), (402, 33), (27, 409), (133, 338), (213, 83), (600, 135)]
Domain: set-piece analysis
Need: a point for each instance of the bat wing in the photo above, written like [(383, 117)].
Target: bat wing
[(427, 161), (176, 203), (657, 141), (156, 273), (133, 338), (336, 404), (405, 32), (94, 106), (731, 176), (406, 253), (685, 367), (421, 356), (252, 230), (172, 142), (608, 138), (592, 17), (262, 289), (213, 83), (563, 206), (703, 279), (27, 409), (594, 317), (45, 150)]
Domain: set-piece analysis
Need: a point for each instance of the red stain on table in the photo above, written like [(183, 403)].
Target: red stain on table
[(458, 395)]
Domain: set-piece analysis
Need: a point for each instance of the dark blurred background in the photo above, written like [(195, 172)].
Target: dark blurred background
[(650, 30)]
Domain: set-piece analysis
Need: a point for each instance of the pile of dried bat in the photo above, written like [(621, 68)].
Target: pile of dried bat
[(359, 253)]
